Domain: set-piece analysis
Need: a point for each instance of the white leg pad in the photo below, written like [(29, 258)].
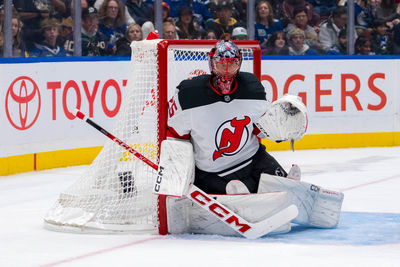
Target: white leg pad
[(186, 217), (317, 206), (176, 168)]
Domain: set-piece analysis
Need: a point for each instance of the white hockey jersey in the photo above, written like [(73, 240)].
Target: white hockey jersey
[(220, 127)]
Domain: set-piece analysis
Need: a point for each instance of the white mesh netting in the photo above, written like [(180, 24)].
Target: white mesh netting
[(115, 193)]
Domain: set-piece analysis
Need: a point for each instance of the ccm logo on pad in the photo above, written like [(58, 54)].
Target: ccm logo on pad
[(218, 210)]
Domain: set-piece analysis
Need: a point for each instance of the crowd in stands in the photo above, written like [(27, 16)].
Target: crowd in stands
[(44, 28)]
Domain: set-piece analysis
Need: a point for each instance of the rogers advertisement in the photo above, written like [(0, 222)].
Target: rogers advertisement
[(36, 99)]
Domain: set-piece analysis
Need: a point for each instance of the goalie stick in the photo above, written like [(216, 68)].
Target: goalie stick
[(214, 207)]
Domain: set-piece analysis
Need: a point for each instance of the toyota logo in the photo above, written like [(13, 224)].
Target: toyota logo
[(23, 103)]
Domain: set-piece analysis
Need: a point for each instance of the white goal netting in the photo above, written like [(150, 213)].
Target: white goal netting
[(114, 195)]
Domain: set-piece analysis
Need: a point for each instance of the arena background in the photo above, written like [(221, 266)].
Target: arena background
[(353, 101)]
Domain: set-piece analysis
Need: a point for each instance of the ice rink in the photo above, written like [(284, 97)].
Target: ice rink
[(368, 233)]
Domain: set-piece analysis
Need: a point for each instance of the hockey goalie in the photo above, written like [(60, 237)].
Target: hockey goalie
[(214, 126)]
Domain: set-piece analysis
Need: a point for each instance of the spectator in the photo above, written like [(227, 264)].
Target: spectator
[(93, 42), (169, 30), (166, 11), (66, 30), (276, 44), (365, 12), (31, 13), (18, 45), (341, 47), (380, 41), (239, 33), (50, 29), (389, 11), (59, 9), (265, 25), (363, 46), (323, 8), (133, 33), (240, 7), (329, 30), (359, 9), (200, 10), (297, 46), (396, 39), (210, 35), (225, 23), (97, 4), (288, 6), (185, 25), (139, 11), (112, 22), (301, 22)]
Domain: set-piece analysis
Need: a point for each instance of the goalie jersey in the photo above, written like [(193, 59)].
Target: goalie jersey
[(220, 127)]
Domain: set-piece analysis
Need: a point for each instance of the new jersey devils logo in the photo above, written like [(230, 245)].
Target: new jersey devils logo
[(231, 137), (23, 97)]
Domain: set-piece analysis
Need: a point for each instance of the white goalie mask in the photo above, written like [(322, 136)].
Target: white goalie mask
[(225, 61)]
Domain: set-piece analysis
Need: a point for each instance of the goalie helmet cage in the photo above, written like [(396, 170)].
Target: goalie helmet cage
[(114, 194)]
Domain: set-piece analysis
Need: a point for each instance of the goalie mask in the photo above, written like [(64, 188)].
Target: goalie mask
[(225, 60)]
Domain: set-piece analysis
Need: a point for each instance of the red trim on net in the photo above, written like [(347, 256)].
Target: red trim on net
[(162, 108)]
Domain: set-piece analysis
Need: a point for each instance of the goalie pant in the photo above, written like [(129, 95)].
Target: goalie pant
[(247, 172), (225, 143)]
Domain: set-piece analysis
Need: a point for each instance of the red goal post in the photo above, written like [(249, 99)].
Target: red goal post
[(114, 195)]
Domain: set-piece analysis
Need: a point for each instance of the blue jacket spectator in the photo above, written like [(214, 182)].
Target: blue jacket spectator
[(112, 21), (265, 25), (139, 11), (50, 29), (323, 7), (199, 8)]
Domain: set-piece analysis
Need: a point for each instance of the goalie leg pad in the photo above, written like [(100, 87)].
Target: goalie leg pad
[(317, 206), (186, 217), (176, 168)]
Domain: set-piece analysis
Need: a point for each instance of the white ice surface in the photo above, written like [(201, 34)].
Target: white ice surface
[(369, 178)]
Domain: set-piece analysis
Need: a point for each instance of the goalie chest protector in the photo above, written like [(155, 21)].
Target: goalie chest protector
[(219, 126)]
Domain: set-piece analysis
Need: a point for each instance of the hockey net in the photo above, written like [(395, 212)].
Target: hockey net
[(114, 195)]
